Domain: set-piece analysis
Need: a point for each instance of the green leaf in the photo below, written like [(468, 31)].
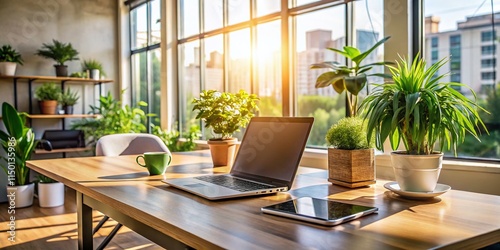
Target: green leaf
[(355, 84), (363, 55), (353, 52), (328, 78), (12, 120)]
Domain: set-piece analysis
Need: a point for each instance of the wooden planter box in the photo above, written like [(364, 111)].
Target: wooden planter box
[(351, 168)]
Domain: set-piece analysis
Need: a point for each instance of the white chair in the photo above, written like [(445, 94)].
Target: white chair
[(125, 144)]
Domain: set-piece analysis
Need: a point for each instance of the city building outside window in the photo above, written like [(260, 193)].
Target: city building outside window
[(487, 36)]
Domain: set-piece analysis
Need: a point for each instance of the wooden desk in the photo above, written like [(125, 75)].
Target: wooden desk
[(118, 187)]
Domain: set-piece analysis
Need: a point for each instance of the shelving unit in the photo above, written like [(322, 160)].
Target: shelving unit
[(62, 80)]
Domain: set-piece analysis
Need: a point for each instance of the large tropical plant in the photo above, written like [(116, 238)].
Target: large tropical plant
[(420, 110), (58, 51), (18, 143), (352, 79)]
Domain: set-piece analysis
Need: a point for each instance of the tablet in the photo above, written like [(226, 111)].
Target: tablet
[(319, 211)]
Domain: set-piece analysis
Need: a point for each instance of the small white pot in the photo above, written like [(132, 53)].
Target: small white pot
[(51, 194), (95, 74), (416, 173), (8, 68), (20, 196)]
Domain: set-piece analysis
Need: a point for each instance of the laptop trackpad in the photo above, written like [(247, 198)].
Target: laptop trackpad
[(195, 185)]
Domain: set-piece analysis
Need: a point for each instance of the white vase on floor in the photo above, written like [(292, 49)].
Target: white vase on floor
[(51, 194), (20, 196)]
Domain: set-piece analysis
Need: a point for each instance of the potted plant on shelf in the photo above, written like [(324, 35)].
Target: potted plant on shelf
[(59, 52), (350, 153), (9, 58), (18, 142), (50, 192), (48, 96), (423, 112), (349, 167), (68, 100), (93, 68), (225, 113)]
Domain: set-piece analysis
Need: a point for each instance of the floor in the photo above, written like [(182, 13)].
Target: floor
[(55, 228)]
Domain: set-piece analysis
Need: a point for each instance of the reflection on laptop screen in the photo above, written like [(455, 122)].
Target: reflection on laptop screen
[(272, 149)]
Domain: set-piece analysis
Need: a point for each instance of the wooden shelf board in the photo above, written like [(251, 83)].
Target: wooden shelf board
[(58, 78), (40, 116), (63, 150)]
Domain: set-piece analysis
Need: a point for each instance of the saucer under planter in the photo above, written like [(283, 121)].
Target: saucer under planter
[(351, 168), (7, 68), (222, 151), (416, 173), (51, 194), (48, 107), (22, 196)]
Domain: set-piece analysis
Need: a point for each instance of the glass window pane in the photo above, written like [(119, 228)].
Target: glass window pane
[(190, 18), (155, 22), (265, 7), (139, 77), (139, 27), (213, 14), (238, 11), (239, 61), (268, 65), (302, 2), (472, 50), (155, 102), (189, 82), (315, 33), (214, 63)]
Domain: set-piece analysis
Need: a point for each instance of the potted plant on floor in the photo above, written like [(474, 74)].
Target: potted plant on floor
[(59, 52), (349, 167), (93, 68), (225, 113), (350, 153), (18, 142), (9, 58), (68, 100), (50, 192), (48, 95), (423, 112)]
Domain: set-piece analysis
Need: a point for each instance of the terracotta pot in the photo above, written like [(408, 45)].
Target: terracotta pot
[(48, 107), (351, 168), (417, 173), (223, 151), (20, 196)]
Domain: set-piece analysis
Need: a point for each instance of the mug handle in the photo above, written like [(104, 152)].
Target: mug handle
[(169, 159), (137, 160)]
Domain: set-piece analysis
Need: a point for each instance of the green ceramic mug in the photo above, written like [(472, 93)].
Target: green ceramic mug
[(155, 162)]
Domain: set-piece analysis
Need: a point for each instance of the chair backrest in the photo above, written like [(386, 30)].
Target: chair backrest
[(129, 144)]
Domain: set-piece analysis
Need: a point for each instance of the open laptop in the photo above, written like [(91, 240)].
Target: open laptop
[(266, 162)]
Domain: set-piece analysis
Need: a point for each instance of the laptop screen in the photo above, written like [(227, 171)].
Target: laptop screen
[(272, 147)]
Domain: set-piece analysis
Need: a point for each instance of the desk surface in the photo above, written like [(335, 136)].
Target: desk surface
[(456, 219)]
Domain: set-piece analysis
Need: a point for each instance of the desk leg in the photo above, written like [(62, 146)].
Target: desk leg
[(85, 238)]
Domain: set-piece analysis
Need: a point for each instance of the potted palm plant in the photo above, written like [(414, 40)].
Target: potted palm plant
[(48, 95), (9, 58), (50, 192), (59, 52), (94, 69), (68, 100), (18, 142), (349, 167), (225, 113), (423, 112)]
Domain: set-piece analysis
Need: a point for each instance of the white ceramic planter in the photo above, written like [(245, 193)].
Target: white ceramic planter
[(7, 68), (417, 173), (20, 196), (51, 194), (95, 74)]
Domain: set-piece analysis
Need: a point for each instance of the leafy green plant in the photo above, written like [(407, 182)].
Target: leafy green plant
[(47, 92), (113, 119), (225, 112), (18, 143), (91, 64), (8, 54), (58, 51), (352, 79), (69, 98), (176, 141), (349, 133), (420, 110)]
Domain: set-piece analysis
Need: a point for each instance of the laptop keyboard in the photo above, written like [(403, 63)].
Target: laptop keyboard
[(233, 183)]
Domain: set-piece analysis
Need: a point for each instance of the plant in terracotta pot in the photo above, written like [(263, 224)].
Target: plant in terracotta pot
[(426, 114), (68, 100), (225, 113), (18, 142), (9, 58), (50, 192), (59, 52), (352, 153), (48, 95)]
